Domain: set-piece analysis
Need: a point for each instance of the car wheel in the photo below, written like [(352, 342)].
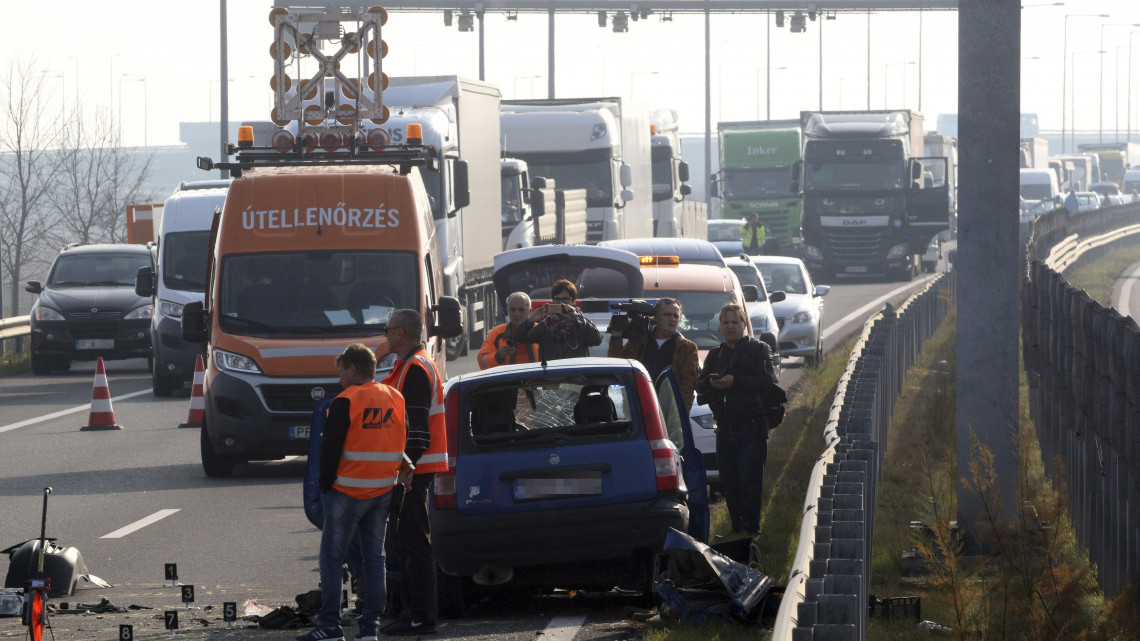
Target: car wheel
[(150, 364), (41, 365), (161, 385), (816, 357), (214, 464), (456, 347), (61, 365), (452, 593)]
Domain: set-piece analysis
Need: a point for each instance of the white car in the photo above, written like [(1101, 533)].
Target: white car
[(800, 314), (760, 312)]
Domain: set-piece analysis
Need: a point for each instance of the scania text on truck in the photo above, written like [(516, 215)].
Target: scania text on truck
[(460, 118), (179, 277), (871, 201), (601, 145), (756, 158), (1115, 158), (674, 214), (324, 233)]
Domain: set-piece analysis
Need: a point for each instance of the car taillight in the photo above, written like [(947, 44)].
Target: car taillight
[(666, 461), (443, 495)]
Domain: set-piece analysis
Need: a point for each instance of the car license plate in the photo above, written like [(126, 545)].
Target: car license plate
[(298, 431), (95, 343), (855, 269), (531, 489)]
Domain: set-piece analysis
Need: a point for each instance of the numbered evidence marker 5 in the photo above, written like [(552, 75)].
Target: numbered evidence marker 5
[(229, 613), (187, 595), (126, 632)]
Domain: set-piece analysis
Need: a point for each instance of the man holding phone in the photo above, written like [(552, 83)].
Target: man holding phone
[(560, 329), (736, 376)]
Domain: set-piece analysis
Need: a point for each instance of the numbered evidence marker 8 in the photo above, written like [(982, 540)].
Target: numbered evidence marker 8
[(171, 574), (229, 613), (187, 595), (126, 632)]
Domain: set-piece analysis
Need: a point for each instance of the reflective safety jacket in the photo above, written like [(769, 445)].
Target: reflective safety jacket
[(747, 231), (434, 458), (374, 445), (524, 352)]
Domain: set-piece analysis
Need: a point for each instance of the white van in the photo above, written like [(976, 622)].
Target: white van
[(1131, 183), (1039, 184), (183, 245)]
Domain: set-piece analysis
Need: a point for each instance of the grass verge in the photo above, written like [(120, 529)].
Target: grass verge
[(13, 362), (1097, 278)]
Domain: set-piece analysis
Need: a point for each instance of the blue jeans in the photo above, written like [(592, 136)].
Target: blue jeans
[(343, 516)]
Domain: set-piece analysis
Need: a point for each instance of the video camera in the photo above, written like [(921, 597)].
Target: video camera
[(636, 321)]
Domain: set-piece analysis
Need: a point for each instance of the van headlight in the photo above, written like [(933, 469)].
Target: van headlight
[(146, 311), (228, 361), (169, 309)]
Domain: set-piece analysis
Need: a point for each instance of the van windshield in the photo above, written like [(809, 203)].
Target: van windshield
[(184, 256), (315, 293), (1039, 191)]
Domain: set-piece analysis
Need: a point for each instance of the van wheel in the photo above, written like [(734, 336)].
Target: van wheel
[(161, 386), (214, 464), (452, 595), (456, 347)]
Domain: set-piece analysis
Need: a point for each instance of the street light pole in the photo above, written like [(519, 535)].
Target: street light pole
[(1072, 98), (1065, 65), (1130, 84), (768, 97), (528, 78), (136, 77), (1100, 122), (887, 78)]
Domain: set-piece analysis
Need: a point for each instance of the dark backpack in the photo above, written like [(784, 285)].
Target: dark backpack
[(774, 400)]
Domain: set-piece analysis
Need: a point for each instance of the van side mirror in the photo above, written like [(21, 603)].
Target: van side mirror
[(448, 318), (683, 171), (751, 293), (460, 187), (195, 323), (145, 282)]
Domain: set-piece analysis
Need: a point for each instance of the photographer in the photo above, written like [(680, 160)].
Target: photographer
[(734, 381), (560, 329), (502, 346), (657, 343)]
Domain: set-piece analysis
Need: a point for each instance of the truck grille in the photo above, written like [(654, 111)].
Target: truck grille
[(294, 397), (775, 223), (855, 246)]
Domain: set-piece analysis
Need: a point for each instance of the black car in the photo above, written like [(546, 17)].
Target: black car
[(89, 309)]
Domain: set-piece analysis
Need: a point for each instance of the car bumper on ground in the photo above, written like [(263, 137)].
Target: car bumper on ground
[(465, 544), (241, 425)]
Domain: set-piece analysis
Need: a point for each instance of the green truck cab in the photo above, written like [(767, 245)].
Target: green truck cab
[(756, 159)]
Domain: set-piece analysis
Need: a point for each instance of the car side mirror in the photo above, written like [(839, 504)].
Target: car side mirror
[(776, 297), (751, 293), (34, 287), (195, 327), (145, 282), (448, 318), (821, 290)]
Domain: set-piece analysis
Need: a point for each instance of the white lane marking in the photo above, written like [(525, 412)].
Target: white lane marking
[(563, 628), (865, 310), (77, 408), (138, 525), (283, 461), (1123, 305)]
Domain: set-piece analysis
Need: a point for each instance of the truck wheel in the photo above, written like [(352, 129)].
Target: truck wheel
[(214, 464), (161, 386)]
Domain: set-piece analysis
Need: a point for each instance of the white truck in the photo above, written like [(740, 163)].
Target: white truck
[(601, 145), (459, 117), (535, 213), (673, 214), (182, 234)]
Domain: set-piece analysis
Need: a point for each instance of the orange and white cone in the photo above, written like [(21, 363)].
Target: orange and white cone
[(102, 417), (197, 400)]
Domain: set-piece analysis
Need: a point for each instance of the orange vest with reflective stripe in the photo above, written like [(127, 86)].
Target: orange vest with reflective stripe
[(523, 351), (375, 442), (434, 458)]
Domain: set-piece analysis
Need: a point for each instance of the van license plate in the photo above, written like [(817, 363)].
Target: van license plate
[(855, 269), (95, 343), (531, 489), (298, 431)]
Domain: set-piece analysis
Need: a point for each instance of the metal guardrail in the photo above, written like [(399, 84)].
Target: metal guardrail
[(828, 590), (15, 327)]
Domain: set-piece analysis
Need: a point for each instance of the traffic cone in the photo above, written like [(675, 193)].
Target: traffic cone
[(197, 401), (102, 417)]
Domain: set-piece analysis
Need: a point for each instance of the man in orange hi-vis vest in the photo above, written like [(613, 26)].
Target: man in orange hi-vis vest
[(417, 378), (362, 459)]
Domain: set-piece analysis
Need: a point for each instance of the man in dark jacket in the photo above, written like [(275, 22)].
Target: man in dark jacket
[(665, 346), (736, 376)]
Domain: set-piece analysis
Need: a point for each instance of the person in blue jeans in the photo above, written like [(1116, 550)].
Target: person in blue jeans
[(362, 459)]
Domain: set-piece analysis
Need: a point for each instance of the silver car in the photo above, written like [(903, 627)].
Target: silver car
[(800, 314), (760, 312)]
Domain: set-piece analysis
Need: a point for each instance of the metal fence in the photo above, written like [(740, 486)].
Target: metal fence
[(828, 590), (1082, 361)]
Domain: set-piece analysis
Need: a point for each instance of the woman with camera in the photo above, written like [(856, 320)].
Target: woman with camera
[(662, 345), (560, 329), (502, 346)]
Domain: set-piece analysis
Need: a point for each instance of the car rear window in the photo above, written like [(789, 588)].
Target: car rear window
[(550, 409)]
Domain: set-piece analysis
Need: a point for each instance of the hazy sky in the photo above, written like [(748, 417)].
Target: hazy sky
[(108, 47)]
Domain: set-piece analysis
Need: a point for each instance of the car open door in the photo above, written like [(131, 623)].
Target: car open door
[(677, 426), (928, 202)]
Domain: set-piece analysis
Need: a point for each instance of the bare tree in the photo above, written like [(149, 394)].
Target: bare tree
[(97, 179), (27, 169)]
